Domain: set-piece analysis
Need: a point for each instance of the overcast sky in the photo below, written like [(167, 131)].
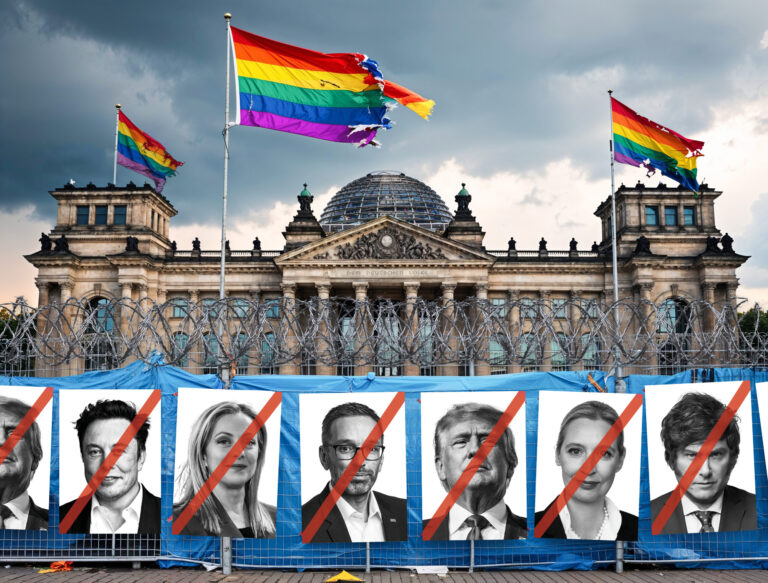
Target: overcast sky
[(522, 112)]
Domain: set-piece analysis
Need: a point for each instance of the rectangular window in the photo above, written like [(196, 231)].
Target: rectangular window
[(209, 306), (651, 216), (180, 308), (499, 307), (689, 216), (240, 307), (589, 307), (120, 214), (670, 216), (558, 308), (527, 308), (152, 223), (82, 215), (100, 218), (273, 308)]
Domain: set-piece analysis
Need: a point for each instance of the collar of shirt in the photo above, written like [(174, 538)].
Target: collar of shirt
[(19, 506), (363, 527), (130, 514), (347, 510), (610, 530), (692, 523), (497, 516)]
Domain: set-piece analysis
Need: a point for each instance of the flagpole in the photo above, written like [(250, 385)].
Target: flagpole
[(117, 131), (227, 17), (618, 374)]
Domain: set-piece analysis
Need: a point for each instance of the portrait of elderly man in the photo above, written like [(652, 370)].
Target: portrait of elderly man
[(480, 513), (361, 514), (121, 504), (17, 509), (709, 504)]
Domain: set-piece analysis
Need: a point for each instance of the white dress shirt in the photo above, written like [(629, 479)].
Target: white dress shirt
[(610, 530), (692, 523), (496, 516), (130, 515), (19, 506), (363, 527)]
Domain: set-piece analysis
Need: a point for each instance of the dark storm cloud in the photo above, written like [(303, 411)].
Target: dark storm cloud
[(517, 85)]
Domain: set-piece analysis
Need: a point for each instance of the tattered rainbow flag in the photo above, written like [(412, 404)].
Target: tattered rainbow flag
[(142, 153), (639, 141), (339, 97)]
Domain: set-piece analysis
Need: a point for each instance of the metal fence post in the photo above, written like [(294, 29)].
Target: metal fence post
[(225, 542)]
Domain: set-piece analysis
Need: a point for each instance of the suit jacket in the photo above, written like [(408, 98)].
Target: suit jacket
[(516, 528), (627, 530), (739, 512), (394, 518), (37, 518), (149, 520), (195, 526)]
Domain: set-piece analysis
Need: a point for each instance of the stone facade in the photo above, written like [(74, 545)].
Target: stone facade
[(113, 242)]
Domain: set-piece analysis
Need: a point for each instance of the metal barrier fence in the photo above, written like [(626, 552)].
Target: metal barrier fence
[(343, 336), (346, 336)]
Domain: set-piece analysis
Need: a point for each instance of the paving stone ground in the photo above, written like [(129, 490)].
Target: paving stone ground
[(151, 574)]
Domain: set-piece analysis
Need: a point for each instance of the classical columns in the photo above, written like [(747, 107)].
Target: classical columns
[(448, 289), (323, 342), (546, 351), (513, 321), (483, 364), (412, 320), (361, 296), (288, 316)]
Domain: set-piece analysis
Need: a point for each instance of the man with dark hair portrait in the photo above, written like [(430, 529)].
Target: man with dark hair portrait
[(709, 504), (361, 514), (480, 513), (121, 504), (17, 509)]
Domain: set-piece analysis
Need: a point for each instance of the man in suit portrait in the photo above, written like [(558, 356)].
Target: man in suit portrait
[(709, 504), (480, 512), (361, 514), (121, 504), (17, 509)]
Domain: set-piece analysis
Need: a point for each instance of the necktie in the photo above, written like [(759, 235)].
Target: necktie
[(705, 517), (476, 523), (5, 512)]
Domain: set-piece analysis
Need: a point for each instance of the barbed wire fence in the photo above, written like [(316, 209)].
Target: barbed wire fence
[(343, 335)]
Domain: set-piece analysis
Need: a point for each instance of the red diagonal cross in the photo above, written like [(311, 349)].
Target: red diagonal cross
[(25, 423), (698, 461), (354, 465), (477, 460), (109, 462), (589, 464), (218, 473)]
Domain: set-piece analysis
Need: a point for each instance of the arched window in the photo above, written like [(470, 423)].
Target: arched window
[(241, 343), (674, 319), (99, 342), (210, 353), (180, 357)]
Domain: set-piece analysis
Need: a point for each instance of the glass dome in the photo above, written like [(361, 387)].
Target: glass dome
[(385, 193)]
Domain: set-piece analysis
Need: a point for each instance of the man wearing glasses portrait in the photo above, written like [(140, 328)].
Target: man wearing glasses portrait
[(361, 514)]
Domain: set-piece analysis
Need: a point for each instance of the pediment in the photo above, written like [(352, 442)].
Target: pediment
[(384, 239)]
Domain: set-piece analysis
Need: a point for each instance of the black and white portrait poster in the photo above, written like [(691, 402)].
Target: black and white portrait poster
[(91, 424), (762, 405), (26, 470), (720, 495), (209, 425), (492, 505), (605, 505), (372, 506)]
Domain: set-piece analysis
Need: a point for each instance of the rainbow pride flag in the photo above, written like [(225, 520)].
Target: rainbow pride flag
[(639, 141), (142, 153), (339, 97)]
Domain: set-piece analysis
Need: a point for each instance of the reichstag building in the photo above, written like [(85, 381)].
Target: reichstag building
[(389, 279)]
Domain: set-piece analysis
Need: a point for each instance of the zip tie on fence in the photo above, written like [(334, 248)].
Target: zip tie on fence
[(594, 383)]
